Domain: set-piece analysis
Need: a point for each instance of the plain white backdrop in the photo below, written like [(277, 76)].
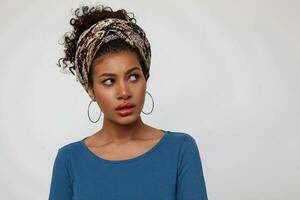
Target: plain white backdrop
[(226, 72)]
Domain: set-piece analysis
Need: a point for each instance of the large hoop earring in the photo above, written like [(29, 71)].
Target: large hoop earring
[(152, 104), (89, 113)]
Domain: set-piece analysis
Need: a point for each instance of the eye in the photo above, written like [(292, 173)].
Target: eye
[(136, 75), (106, 81)]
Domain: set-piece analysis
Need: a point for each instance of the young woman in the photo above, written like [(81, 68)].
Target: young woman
[(126, 159)]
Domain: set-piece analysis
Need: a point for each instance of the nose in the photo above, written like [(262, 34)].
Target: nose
[(123, 90)]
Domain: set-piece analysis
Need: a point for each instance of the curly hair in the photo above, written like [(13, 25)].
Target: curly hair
[(85, 17)]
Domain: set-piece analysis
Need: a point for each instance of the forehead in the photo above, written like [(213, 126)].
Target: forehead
[(117, 62)]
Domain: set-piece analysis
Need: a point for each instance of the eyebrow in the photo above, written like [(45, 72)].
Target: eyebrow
[(111, 74)]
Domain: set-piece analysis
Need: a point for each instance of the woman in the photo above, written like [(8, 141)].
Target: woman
[(126, 159)]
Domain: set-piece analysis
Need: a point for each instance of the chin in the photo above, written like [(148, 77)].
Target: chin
[(124, 120)]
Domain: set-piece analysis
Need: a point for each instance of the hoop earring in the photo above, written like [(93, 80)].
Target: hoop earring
[(152, 104), (89, 113)]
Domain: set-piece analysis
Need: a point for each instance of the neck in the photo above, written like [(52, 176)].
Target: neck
[(120, 133)]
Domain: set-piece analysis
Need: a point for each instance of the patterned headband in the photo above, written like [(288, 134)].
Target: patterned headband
[(102, 32)]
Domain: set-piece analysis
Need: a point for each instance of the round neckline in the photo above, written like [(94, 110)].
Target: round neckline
[(126, 160)]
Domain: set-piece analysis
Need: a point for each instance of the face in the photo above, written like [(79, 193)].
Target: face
[(118, 78)]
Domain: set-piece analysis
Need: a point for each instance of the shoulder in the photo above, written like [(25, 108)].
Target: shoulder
[(182, 139), (69, 148), (188, 150)]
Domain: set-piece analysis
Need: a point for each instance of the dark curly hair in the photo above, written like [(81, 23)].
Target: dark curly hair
[(85, 17)]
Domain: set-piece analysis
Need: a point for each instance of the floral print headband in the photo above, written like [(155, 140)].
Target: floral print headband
[(102, 32)]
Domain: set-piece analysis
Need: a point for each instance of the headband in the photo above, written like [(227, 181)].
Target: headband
[(102, 32)]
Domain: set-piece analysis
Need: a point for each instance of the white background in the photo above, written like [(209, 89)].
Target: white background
[(226, 72)]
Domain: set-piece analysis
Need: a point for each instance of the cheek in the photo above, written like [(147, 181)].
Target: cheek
[(141, 93), (105, 100)]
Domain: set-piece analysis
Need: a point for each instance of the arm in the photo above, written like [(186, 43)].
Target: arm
[(61, 183), (190, 179)]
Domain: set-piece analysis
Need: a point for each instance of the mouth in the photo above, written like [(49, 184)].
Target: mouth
[(125, 111), (124, 105)]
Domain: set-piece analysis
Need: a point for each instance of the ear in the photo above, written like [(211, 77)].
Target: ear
[(91, 92)]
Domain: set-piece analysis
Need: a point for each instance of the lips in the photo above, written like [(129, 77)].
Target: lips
[(125, 106), (125, 109)]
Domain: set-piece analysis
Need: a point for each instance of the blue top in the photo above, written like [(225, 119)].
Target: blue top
[(170, 170)]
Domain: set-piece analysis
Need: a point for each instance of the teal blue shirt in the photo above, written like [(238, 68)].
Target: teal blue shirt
[(171, 170)]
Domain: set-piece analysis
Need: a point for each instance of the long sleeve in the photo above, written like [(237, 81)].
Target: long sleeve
[(190, 179), (61, 183)]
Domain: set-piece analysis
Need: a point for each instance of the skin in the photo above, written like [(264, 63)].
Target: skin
[(120, 137)]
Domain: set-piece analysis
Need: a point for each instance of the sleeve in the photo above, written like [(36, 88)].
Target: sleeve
[(190, 179), (61, 183)]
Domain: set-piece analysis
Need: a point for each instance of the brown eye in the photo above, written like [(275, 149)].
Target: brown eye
[(136, 75), (106, 81)]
